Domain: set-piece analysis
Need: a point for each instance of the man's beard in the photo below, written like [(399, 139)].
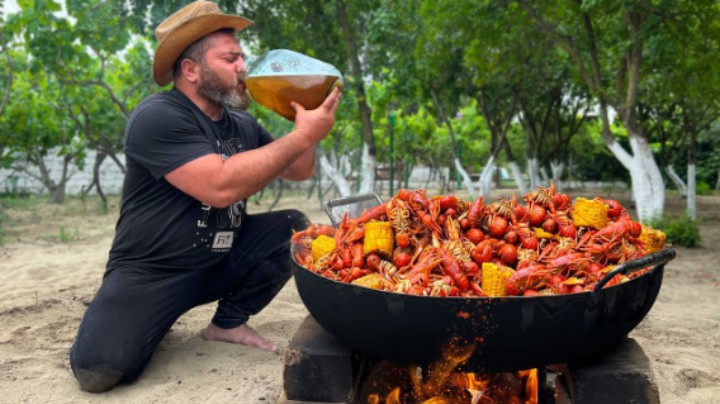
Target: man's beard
[(231, 97)]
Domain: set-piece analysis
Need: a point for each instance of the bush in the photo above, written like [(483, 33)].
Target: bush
[(703, 188), (682, 231)]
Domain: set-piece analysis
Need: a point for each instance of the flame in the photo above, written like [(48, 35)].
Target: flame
[(393, 397), (441, 383), (531, 384)]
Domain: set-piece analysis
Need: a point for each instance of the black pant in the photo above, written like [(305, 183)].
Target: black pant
[(134, 308)]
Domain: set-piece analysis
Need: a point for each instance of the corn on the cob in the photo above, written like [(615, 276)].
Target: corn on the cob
[(379, 239), (654, 239), (322, 246), (374, 281), (590, 213), (493, 278)]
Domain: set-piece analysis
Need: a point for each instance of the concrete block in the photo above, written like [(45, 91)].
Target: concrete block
[(318, 368), (619, 374)]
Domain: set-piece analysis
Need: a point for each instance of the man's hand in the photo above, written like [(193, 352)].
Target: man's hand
[(316, 124)]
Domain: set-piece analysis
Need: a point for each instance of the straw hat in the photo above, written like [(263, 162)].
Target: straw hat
[(184, 27)]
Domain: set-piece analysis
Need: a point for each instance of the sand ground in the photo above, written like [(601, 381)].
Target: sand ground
[(53, 258)]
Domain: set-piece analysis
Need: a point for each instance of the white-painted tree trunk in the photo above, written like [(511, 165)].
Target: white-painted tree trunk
[(648, 189), (517, 175), (335, 175), (557, 168), (691, 193), (485, 180), (533, 172), (467, 181), (679, 183), (544, 177), (367, 172)]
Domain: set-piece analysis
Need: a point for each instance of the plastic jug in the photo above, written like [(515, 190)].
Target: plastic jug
[(280, 76)]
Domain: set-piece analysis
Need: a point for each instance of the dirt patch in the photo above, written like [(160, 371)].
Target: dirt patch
[(53, 259)]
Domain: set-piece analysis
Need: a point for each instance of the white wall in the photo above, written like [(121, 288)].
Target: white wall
[(111, 177)]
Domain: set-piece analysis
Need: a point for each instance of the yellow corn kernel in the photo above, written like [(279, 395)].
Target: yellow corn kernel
[(590, 213), (493, 279), (572, 281), (540, 233), (379, 239), (373, 281), (654, 239), (322, 246)]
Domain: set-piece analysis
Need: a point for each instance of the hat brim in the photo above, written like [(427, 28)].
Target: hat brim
[(171, 47)]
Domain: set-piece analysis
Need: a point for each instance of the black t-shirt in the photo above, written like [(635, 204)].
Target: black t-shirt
[(161, 227)]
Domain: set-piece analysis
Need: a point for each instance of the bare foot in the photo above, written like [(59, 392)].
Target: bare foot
[(242, 334)]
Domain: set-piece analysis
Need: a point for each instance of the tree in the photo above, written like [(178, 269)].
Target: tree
[(100, 68), (608, 43), (682, 98), (34, 126)]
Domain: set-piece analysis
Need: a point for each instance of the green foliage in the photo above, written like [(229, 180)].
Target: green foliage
[(703, 188), (76, 78), (680, 231), (591, 160)]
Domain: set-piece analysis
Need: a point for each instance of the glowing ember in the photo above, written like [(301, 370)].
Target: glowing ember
[(441, 383)]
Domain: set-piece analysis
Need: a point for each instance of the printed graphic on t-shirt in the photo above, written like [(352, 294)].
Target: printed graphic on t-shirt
[(225, 220)]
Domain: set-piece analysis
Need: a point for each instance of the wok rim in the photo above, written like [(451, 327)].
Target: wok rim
[(639, 278)]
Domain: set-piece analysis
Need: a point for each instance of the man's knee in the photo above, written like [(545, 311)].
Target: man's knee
[(298, 220), (97, 371), (98, 378)]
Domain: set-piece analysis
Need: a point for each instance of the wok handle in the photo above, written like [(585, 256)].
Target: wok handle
[(656, 259)]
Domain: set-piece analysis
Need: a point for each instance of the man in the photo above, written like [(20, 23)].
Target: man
[(183, 238)]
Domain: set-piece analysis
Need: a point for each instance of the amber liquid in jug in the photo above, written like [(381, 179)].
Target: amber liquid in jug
[(276, 92)]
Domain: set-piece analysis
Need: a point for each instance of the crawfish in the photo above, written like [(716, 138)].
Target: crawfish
[(399, 215), (623, 227), (374, 213), (443, 287), (313, 231), (570, 263), (428, 259), (452, 229), (504, 208), (532, 276), (564, 223), (457, 248), (385, 268), (454, 269), (475, 211), (615, 209), (525, 234), (484, 251)]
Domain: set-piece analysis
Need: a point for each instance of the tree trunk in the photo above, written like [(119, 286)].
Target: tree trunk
[(534, 172), (557, 168), (692, 187), (675, 178), (517, 175), (280, 184), (485, 180), (367, 170), (95, 182), (648, 189), (453, 145), (356, 80), (692, 193), (466, 178), (341, 183)]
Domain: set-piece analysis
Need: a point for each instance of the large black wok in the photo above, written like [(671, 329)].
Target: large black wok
[(509, 333)]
